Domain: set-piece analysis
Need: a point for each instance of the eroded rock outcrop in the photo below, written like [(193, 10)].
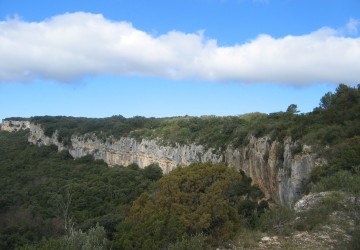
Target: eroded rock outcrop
[(13, 126), (37, 136), (280, 169), (125, 150)]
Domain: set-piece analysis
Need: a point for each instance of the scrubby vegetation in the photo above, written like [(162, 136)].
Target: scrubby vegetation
[(213, 201), (50, 201), (336, 118), (56, 202), (44, 193)]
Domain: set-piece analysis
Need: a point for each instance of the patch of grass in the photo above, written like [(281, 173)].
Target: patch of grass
[(248, 239), (355, 240), (319, 215), (279, 221), (196, 242)]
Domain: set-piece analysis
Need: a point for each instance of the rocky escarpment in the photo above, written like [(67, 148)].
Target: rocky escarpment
[(280, 169), (125, 150), (12, 126)]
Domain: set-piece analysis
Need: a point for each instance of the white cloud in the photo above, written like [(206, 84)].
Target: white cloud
[(352, 26), (72, 46)]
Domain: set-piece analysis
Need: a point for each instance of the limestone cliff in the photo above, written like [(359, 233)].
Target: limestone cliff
[(279, 168), (125, 150), (274, 167), (12, 126)]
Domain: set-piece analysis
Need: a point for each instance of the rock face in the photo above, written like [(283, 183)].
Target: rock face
[(37, 136), (13, 126), (125, 150), (280, 169), (275, 167)]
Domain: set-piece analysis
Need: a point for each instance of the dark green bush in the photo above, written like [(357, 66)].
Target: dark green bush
[(279, 220), (37, 182), (197, 242), (209, 199)]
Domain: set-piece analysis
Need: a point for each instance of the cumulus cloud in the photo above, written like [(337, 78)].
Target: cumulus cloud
[(352, 26), (71, 46)]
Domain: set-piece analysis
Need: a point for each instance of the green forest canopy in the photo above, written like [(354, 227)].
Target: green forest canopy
[(37, 184), (336, 117)]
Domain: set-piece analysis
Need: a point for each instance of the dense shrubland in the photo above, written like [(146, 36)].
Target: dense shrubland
[(56, 202), (43, 191), (50, 201), (213, 201), (336, 118)]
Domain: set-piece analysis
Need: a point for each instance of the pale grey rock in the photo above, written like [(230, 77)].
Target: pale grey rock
[(125, 151), (13, 126), (273, 167), (38, 137), (310, 201), (314, 199)]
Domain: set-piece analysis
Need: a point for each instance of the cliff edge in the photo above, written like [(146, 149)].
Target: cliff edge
[(280, 169)]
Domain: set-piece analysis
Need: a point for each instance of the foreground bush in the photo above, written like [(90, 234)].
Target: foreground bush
[(202, 199)]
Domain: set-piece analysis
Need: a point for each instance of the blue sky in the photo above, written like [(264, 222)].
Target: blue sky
[(98, 58)]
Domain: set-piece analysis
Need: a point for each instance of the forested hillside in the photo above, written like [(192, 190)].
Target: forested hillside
[(336, 118), (45, 192), (51, 201)]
